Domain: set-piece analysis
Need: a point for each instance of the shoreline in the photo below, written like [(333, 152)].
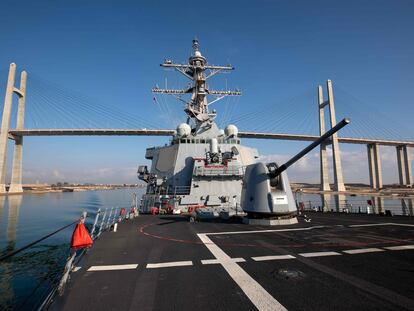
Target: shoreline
[(391, 191), (43, 189)]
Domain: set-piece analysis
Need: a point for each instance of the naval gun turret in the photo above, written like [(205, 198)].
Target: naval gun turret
[(266, 192)]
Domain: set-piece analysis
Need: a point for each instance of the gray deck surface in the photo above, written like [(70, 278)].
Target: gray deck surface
[(378, 279)]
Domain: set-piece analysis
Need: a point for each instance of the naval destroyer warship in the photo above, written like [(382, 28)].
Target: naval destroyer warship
[(205, 172), (336, 261), (201, 170)]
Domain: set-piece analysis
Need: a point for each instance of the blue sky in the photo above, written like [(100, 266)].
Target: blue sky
[(109, 51)]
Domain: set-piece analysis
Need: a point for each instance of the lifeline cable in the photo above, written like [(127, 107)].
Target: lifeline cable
[(35, 242)]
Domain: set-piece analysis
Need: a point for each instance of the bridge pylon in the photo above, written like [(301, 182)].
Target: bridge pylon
[(16, 183), (323, 155), (374, 166), (404, 166), (336, 154), (16, 178)]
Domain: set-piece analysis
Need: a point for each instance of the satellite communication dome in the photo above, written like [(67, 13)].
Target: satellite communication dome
[(231, 130), (183, 130)]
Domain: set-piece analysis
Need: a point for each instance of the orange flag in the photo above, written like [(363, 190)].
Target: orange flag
[(81, 237)]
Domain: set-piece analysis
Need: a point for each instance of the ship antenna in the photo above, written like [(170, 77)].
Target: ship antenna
[(198, 71), (195, 45)]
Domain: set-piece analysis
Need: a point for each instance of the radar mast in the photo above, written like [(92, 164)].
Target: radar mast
[(198, 71)]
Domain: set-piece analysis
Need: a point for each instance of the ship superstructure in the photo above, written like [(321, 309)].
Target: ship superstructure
[(203, 166)]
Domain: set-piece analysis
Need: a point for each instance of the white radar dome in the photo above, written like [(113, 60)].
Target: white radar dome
[(183, 130), (231, 130)]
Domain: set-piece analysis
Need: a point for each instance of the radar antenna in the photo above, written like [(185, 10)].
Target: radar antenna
[(198, 71)]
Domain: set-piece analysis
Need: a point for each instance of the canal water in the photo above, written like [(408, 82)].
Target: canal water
[(26, 279)]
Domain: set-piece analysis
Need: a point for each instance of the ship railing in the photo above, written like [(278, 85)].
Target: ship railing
[(35, 244), (400, 207), (104, 221)]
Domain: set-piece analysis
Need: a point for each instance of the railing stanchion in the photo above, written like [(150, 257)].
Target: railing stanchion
[(94, 224), (102, 222), (109, 218), (68, 269), (115, 215)]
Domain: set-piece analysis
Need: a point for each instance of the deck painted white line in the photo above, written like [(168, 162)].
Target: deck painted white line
[(253, 290), (403, 225), (169, 264), (216, 261), (319, 254), (307, 228), (113, 267), (276, 257), (382, 224), (399, 248), (373, 225), (76, 269), (264, 231), (363, 250)]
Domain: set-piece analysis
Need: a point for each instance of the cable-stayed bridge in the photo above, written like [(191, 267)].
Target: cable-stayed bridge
[(148, 132), (69, 111)]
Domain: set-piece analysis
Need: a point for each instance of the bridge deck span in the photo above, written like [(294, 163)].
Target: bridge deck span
[(148, 132)]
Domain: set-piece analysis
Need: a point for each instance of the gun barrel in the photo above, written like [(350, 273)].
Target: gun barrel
[(312, 146)]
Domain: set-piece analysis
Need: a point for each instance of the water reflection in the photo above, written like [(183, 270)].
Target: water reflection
[(12, 204), (15, 201)]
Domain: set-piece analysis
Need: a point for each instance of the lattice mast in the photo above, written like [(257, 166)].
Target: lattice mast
[(198, 71)]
